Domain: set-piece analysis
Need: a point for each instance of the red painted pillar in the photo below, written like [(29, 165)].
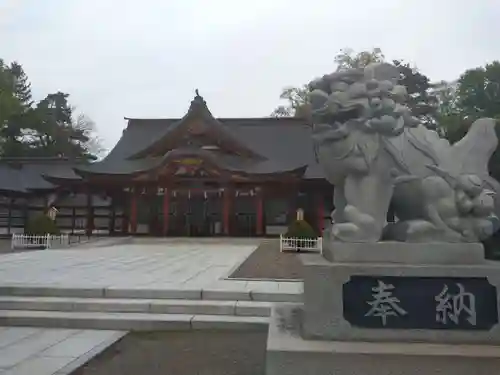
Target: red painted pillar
[(166, 204), (321, 212), (133, 211), (260, 213), (125, 218), (226, 209), (90, 214)]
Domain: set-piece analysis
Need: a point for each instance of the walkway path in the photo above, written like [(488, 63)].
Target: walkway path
[(40, 351), (131, 285), (155, 264)]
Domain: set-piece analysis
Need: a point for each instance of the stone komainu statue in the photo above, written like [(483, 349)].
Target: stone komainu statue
[(376, 153)]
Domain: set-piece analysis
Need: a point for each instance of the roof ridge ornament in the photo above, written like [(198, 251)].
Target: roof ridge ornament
[(198, 99)]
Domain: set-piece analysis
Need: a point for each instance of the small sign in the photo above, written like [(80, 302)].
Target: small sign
[(437, 303), (190, 161), (52, 213), (300, 214)]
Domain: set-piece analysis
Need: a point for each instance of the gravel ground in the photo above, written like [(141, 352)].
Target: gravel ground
[(267, 262), (4, 246), (182, 353)]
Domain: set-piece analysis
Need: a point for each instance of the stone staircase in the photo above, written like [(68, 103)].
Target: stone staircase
[(138, 309)]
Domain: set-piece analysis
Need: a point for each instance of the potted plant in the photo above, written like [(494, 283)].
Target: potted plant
[(41, 225), (302, 232)]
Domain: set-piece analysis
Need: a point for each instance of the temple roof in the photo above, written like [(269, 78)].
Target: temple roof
[(271, 145), (252, 146), (223, 161), (24, 175)]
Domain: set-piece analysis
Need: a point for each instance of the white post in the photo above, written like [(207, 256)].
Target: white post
[(47, 241), (281, 243), (12, 241)]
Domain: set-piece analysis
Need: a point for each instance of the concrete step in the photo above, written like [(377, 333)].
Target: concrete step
[(225, 292), (129, 321), (152, 306)]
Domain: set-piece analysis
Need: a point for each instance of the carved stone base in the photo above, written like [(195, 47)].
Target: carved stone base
[(404, 253), (289, 354), (423, 290)]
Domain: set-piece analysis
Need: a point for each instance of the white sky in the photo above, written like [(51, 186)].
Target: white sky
[(144, 58)]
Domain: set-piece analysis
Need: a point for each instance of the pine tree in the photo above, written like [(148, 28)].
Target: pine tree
[(21, 86), (12, 112), (47, 129), (57, 133)]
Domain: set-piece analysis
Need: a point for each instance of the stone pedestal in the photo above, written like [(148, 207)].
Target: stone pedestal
[(391, 308), (289, 354)]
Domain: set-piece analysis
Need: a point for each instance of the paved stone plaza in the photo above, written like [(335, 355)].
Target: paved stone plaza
[(157, 264), (110, 278), (143, 263), (42, 351)]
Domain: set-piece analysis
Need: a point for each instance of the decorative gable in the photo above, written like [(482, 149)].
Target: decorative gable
[(198, 127), (187, 167), (193, 167)]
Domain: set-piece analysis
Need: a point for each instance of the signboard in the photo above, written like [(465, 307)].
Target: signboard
[(437, 303), (190, 161)]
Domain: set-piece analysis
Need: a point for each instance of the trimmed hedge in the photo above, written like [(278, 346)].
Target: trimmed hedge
[(301, 229), (41, 225)]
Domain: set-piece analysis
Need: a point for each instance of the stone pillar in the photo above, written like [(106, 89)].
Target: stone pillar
[(166, 205)]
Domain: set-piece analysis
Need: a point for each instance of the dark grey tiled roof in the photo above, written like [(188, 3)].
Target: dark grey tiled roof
[(238, 163), (121, 166), (25, 175), (281, 140), (11, 179), (285, 142), (139, 134)]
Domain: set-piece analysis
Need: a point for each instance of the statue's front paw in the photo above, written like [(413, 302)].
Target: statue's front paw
[(360, 227), (346, 232)]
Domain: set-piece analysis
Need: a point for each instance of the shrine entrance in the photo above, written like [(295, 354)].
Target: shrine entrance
[(244, 215), (195, 213)]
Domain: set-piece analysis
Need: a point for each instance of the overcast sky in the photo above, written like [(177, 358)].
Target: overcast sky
[(144, 58)]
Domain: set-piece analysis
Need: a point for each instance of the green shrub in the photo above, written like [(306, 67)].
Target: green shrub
[(301, 229), (41, 225)]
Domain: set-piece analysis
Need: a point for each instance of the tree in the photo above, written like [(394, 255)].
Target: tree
[(450, 123), (476, 95), (298, 102), (421, 99), (297, 97), (15, 107), (91, 142), (21, 85), (46, 129), (348, 58), (58, 134), (478, 92)]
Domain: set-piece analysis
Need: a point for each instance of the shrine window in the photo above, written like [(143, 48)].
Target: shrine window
[(277, 211)]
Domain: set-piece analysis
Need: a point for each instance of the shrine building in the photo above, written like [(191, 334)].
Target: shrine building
[(194, 176)]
